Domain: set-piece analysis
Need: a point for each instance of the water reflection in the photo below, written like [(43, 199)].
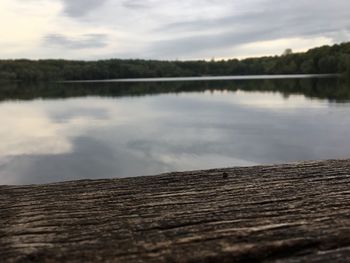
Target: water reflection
[(332, 89), (181, 127)]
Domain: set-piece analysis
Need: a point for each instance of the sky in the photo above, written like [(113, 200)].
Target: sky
[(159, 29)]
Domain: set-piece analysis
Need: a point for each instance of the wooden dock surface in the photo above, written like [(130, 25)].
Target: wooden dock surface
[(282, 213)]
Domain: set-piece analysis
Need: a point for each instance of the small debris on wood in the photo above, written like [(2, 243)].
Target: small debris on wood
[(280, 213)]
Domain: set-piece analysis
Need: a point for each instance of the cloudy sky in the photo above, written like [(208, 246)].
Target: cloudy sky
[(159, 29)]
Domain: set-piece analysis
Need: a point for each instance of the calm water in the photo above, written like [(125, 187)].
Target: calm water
[(57, 132)]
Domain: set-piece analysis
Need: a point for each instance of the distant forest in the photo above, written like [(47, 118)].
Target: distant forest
[(332, 89), (326, 59)]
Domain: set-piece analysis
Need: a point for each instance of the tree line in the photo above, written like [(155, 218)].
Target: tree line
[(332, 89), (321, 60)]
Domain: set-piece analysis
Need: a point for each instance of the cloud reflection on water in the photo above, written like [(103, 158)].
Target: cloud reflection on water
[(93, 137)]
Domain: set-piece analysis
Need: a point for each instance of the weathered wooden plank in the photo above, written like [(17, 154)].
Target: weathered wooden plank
[(284, 213)]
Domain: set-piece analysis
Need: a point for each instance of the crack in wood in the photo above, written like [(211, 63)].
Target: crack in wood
[(296, 212)]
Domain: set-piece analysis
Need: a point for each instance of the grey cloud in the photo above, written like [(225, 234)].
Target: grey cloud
[(82, 42), (199, 28), (136, 4), (270, 12), (193, 44), (78, 8), (268, 21)]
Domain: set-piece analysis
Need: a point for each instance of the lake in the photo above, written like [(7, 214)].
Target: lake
[(54, 132)]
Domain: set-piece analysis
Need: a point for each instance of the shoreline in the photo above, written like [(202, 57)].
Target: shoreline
[(208, 78)]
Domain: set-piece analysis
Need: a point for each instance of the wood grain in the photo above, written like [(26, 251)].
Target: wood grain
[(283, 213)]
